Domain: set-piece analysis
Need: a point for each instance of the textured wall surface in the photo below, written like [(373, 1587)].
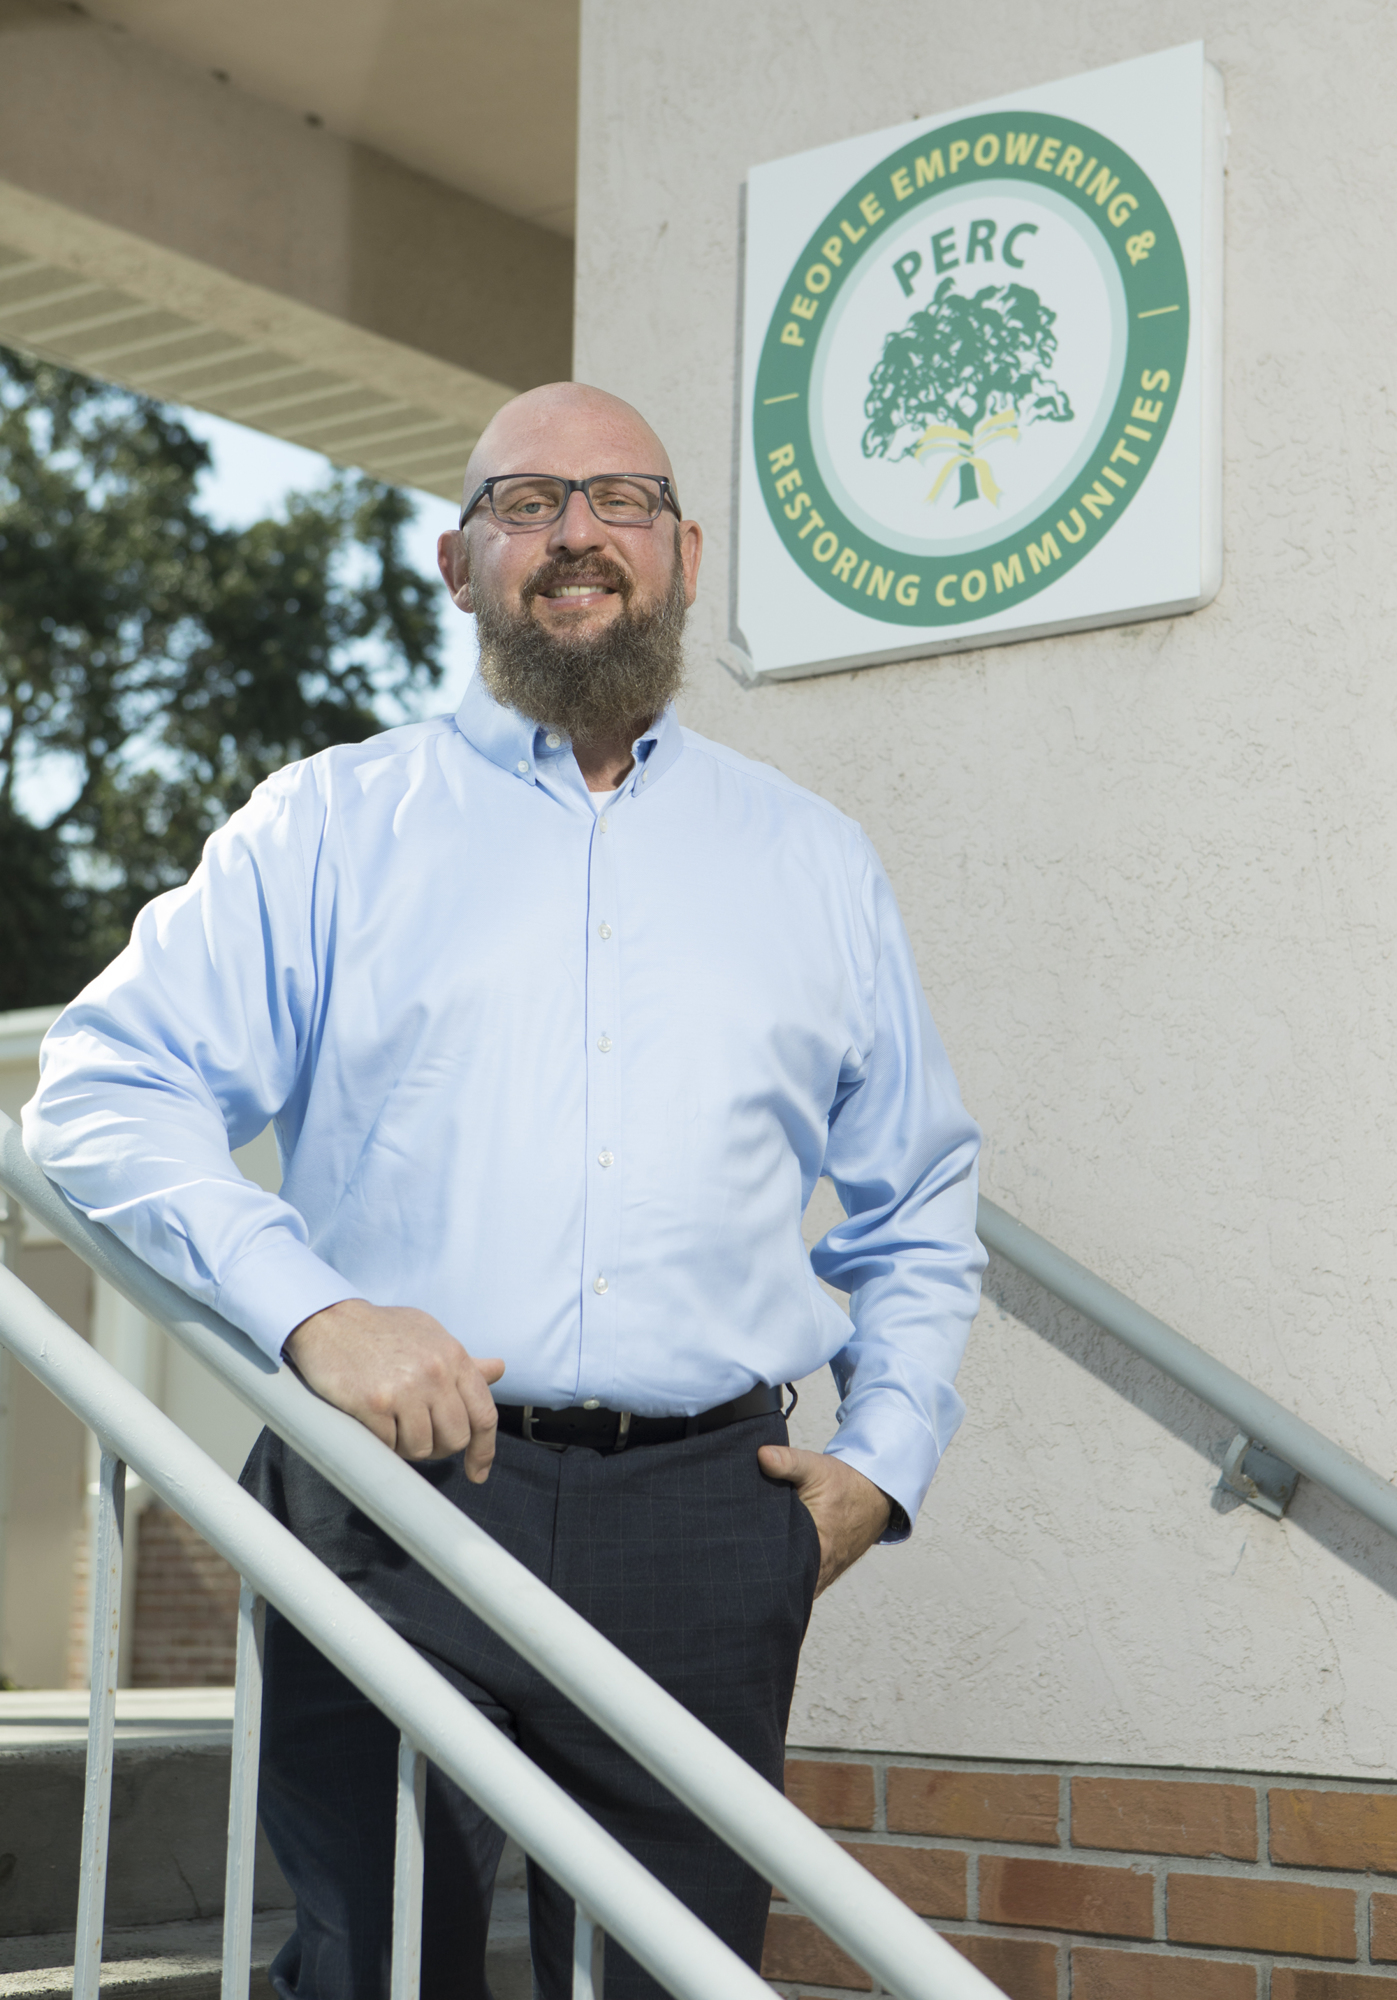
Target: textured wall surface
[(1150, 877)]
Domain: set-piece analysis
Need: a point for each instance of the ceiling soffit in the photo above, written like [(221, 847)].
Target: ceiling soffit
[(84, 323), (480, 94)]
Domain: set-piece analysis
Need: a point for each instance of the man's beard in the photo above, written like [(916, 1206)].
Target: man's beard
[(589, 687)]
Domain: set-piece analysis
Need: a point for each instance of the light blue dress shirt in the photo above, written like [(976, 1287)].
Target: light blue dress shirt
[(564, 1080)]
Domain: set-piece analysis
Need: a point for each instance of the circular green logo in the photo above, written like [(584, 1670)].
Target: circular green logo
[(971, 368)]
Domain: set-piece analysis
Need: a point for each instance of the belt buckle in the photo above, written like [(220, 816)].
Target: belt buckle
[(526, 1426)]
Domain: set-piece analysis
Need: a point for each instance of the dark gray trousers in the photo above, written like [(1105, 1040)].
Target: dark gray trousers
[(685, 1555)]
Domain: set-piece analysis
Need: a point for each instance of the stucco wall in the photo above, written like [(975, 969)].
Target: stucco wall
[(1150, 877)]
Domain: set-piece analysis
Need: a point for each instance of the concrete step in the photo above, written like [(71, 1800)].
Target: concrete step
[(183, 1961), (180, 1961), (164, 1931), (169, 1826)]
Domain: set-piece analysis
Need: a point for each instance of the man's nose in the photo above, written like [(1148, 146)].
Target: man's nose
[(576, 528)]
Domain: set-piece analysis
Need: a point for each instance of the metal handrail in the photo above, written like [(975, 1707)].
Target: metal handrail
[(435, 1718), (812, 1871), (1255, 1413)]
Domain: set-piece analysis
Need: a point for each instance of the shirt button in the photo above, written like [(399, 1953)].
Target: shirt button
[(606, 1159), (602, 822), (604, 1044), (592, 1403), (553, 742), (599, 1283), (645, 777), (603, 930), (522, 768)]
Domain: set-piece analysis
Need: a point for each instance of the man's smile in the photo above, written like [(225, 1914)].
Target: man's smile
[(587, 582)]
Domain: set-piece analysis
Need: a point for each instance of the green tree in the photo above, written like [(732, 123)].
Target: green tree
[(161, 665), (962, 375)]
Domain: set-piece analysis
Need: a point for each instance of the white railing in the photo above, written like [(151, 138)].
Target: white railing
[(434, 1719), (613, 1893)]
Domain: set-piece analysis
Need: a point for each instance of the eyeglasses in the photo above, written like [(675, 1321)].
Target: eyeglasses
[(538, 499)]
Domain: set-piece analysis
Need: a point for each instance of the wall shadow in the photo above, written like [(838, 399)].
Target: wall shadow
[(1315, 1512)]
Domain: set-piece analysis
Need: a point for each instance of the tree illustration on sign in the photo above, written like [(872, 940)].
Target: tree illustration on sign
[(964, 375)]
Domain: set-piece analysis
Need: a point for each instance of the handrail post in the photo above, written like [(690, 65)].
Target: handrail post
[(242, 1797), (407, 1872), (101, 1725), (588, 1950), (11, 1232)]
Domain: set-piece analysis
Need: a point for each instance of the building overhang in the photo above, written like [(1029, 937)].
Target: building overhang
[(161, 229)]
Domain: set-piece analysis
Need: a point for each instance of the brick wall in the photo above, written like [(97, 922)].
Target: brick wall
[(186, 1607), (1089, 1884)]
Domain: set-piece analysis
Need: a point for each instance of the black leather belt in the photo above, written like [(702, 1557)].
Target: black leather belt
[(618, 1430)]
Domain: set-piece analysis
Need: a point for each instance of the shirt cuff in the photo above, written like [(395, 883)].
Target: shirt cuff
[(277, 1284), (889, 1444)]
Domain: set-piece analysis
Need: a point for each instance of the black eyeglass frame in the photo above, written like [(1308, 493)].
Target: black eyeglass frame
[(668, 498)]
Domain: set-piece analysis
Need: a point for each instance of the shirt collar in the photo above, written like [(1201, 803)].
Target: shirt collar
[(520, 747)]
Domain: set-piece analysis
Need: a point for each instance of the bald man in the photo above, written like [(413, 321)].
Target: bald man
[(559, 1012)]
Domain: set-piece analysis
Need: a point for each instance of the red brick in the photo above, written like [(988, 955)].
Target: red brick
[(930, 1880), (1145, 1816), (832, 1794), (1382, 1940), (1288, 1984), (798, 1949), (1066, 1896), (1292, 1917), (974, 1805), (1149, 1975), (1020, 1967), (186, 1606), (1356, 1830)]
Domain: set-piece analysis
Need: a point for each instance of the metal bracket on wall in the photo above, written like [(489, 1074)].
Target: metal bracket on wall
[(1257, 1476)]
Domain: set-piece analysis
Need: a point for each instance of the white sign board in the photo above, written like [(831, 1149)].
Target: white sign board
[(981, 387)]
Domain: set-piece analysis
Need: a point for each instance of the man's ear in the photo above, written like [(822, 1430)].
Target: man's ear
[(451, 561), (690, 538)]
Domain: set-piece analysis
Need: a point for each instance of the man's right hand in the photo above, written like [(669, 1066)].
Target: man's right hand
[(403, 1376)]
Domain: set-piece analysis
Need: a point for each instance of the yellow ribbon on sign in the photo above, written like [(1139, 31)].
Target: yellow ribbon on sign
[(985, 478), (967, 446)]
